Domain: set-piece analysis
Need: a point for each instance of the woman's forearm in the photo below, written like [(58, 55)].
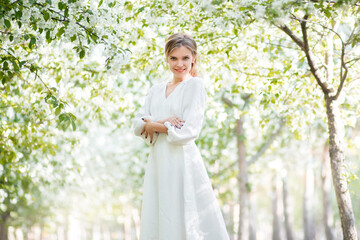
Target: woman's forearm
[(161, 121), (159, 127)]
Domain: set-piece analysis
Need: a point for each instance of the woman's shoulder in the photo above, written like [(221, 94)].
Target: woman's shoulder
[(195, 82)]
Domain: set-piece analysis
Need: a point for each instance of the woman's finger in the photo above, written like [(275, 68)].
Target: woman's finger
[(180, 123), (176, 124), (142, 131), (151, 137)]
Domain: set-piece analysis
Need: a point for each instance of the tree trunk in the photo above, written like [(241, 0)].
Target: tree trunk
[(252, 217), (41, 230), (276, 235), (247, 221), (3, 226), (337, 156), (243, 181), (66, 227), (26, 230), (307, 203), (325, 187), (288, 229), (230, 221)]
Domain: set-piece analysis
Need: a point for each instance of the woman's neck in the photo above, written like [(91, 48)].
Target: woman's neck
[(177, 80)]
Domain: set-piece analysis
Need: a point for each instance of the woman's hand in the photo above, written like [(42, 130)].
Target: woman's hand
[(175, 121), (148, 129)]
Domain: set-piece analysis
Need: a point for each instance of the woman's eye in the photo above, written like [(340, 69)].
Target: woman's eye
[(186, 58), (172, 58)]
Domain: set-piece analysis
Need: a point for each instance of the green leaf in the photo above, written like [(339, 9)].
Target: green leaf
[(58, 110), (22, 63), (15, 65), (7, 23), (5, 65), (32, 41), (58, 78), (82, 54), (128, 6), (73, 38), (100, 3), (18, 14), (62, 117), (66, 125), (46, 15), (72, 116), (73, 125), (60, 5), (53, 101), (141, 9), (48, 36), (60, 32), (32, 68)]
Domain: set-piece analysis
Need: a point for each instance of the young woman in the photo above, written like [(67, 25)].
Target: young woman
[(178, 199)]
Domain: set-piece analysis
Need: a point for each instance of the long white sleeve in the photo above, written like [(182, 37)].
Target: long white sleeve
[(144, 112), (193, 114)]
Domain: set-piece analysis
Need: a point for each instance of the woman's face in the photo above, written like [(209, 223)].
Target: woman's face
[(180, 60)]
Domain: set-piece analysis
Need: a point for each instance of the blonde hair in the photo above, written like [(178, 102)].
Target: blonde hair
[(182, 39)]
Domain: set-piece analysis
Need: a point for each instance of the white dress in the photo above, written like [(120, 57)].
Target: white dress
[(178, 200)]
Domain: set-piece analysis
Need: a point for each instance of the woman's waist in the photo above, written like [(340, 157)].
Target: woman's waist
[(162, 137)]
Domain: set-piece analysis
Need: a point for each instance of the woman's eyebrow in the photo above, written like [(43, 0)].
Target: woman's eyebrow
[(182, 56)]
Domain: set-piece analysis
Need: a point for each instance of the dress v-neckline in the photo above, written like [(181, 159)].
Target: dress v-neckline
[(166, 85)]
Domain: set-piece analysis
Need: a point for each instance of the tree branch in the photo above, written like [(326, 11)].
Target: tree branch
[(304, 45), (311, 61), (227, 101), (259, 153), (37, 76), (342, 76), (67, 20), (343, 66), (329, 1), (262, 150), (322, 25), (353, 60), (7, 6), (297, 40)]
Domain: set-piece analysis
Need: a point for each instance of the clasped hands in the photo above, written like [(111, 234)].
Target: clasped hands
[(150, 126)]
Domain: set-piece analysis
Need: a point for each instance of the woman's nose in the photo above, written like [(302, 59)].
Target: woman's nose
[(180, 63)]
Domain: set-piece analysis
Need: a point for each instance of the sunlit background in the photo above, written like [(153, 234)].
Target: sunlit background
[(74, 73)]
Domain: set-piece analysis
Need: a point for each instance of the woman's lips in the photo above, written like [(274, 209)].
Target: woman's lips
[(180, 70)]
